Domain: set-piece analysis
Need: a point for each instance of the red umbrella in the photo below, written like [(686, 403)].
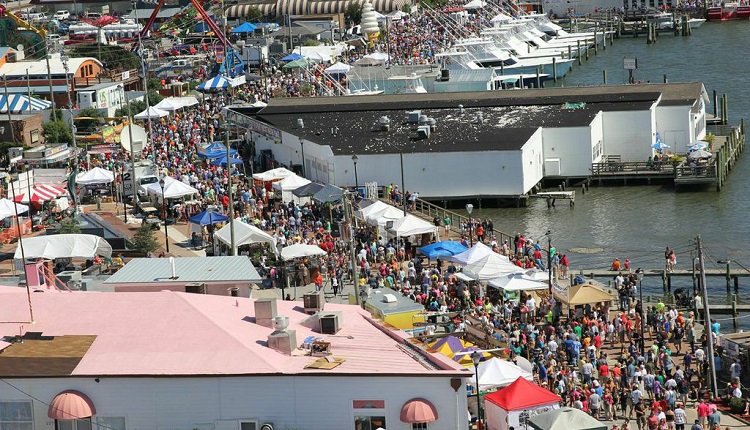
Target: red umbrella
[(40, 193)]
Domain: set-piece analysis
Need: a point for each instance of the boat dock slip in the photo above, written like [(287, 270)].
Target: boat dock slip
[(551, 196), (730, 275)]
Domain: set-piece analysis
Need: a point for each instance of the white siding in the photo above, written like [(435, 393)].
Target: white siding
[(675, 127), (287, 402), (533, 162), (629, 134), (573, 146)]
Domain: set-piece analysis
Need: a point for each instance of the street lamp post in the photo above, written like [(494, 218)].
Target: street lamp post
[(549, 258), (476, 357), (639, 276), (356, 179), (302, 149), (164, 208), (469, 208)]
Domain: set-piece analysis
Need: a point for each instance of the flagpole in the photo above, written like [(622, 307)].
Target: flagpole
[(7, 106)]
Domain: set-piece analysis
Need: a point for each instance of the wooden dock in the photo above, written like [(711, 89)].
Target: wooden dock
[(731, 276)]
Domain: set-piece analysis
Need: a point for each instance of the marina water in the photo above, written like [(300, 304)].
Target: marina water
[(638, 222)]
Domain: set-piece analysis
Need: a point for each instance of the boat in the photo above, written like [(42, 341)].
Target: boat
[(661, 20), (728, 12), (696, 22)]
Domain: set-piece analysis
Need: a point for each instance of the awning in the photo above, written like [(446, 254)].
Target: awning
[(418, 411), (240, 11), (21, 103), (71, 405)]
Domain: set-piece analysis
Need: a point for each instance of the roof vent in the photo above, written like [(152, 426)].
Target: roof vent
[(384, 123), (389, 298), (265, 312), (413, 117), (300, 123), (422, 119), (330, 322), (431, 122), (313, 302), (423, 132), (480, 118), (461, 109), (282, 340)]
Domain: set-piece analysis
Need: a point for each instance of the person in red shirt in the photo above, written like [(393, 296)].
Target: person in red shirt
[(603, 371)]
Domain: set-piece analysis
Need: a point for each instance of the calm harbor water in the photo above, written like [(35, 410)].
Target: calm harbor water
[(638, 222)]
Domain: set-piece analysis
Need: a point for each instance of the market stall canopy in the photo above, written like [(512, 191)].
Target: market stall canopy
[(522, 394), (475, 4), (367, 208), (208, 218), (384, 216), (216, 83), (565, 419), (291, 183), (584, 294), (411, 225), (292, 57), (448, 345), (244, 234), (171, 104), (497, 372), (443, 249), (64, 246), (338, 68), (308, 190), (245, 27), (173, 189), (473, 254), (8, 208), (491, 266), (273, 174), (18, 103), (296, 64), (40, 193), (223, 161), (151, 112), (216, 150), (97, 175), (501, 17), (299, 250), (328, 194), (517, 282)]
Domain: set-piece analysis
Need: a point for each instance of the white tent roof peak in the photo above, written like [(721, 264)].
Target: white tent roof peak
[(172, 188), (64, 246), (244, 234), (273, 174), (291, 182), (97, 175), (411, 225)]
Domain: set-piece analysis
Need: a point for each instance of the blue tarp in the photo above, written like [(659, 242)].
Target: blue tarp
[(245, 27), (223, 161), (292, 57), (446, 248), (208, 218)]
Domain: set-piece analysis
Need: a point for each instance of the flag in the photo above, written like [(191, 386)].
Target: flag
[(72, 184)]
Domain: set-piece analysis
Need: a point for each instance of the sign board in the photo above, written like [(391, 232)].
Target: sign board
[(253, 125), (630, 63), (126, 75)]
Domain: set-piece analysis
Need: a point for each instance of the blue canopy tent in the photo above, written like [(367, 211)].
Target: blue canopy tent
[(245, 27), (446, 248), (208, 218), (216, 150), (223, 161), (292, 57), (217, 83)]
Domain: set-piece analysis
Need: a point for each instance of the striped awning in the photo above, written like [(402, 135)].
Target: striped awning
[(281, 8), (240, 11), (22, 103), (214, 84), (40, 193), (327, 7)]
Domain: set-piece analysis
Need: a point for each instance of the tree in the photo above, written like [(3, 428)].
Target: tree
[(353, 12), (144, 239), (69, 226), (57, 132), (112, 56)]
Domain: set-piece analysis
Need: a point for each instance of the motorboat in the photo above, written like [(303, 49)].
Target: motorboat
[(696, 22), (728, 12)]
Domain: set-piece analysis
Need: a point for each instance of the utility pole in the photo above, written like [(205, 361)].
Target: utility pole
[(229, 189), (707, 324), (49, 77), (346, 198)]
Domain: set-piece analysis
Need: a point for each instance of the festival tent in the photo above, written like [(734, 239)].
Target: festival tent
[(289, 184), (21, 103), (216, 150), (296, 64), (497, 372), (173, 189), (244, 234), (411, 225), (222, 161), (245, 27), (169, 104), (373, 207), (214, 84), (446, 248), (378, 56), (187, 101), (448, 345), (504, 407), (8, 208), (151, 112), (565, 419), (501, 17), (517, 282), (64, 246), (273, 174), (537, 275), (97, 175), (292, 57), (316, 57), (299, 250), (464, 356), (338, 68), (473, 254), (475, 4), (384, 216), (491, 266), (40, 193), (208, 218), (308, 190), (328, 194), (584, 294)]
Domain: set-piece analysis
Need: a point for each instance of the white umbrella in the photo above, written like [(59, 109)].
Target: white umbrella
[(701, 153), (517, 282), (8, 208), (299, 250)]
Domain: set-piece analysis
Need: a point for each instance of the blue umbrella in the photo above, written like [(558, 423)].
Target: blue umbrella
[(245, 27), (446, 248), (292, 57), (699, 145), (659, 144), (223, 161), (208, 218)]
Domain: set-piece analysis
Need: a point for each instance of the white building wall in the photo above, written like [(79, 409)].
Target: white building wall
[(674, 125), (532, 161), (629, 134), (216, 403), (573, 146)]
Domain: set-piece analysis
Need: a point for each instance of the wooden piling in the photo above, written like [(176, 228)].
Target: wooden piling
[(578, 48), (664, 281), (728, 277), (735, 314), (604, 76), (554, 69), (596, 43)]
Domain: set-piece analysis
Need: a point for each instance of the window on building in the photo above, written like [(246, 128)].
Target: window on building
[(82, 424), (16, 416), (369, 414), (419, 426), (369, 422), (110, 423)]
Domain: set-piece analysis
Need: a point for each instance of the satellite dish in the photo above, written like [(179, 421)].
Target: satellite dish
[(137, 139), (19, 47)]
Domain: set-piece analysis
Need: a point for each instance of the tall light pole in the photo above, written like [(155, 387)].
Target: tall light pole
[(476, 357), (549, 258), (73, 130), (143, 69), (403, 184), (229, 189), (164, 208), (356, 179), (469, 208), (49, 77), (302, 148), (639, 276)]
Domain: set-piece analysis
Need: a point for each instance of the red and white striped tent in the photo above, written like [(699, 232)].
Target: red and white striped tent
[(40, 193)]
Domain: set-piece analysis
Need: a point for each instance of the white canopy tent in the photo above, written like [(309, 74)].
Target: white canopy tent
[(501, 17), (97, 175), (299, 250), (373, 207), (289, 184), (339, 68), (475, 4), (411, 225), (173, 189), (497, 372), (244, 234), (384, 216), (151, 112), (273, 174), (471, 255), (64, 246), (187, 101), (8, 208), (489, 267), (517, 282)]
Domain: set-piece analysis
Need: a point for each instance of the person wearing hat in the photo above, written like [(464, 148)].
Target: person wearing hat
[(680, 417)]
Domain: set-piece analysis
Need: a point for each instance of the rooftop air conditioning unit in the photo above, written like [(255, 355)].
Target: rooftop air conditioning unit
[(423, 132), (195, 288), (389, 298), (413, 117), (330, 323), (384, 123), (314, 302)]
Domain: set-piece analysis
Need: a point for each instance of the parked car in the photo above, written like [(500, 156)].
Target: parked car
[(62, 28), (52, 37), (62, 15), (93, 15)]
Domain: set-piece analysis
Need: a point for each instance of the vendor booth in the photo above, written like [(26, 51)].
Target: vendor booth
[(565, 419), (513, 405), (496, 373), (244, 234)]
